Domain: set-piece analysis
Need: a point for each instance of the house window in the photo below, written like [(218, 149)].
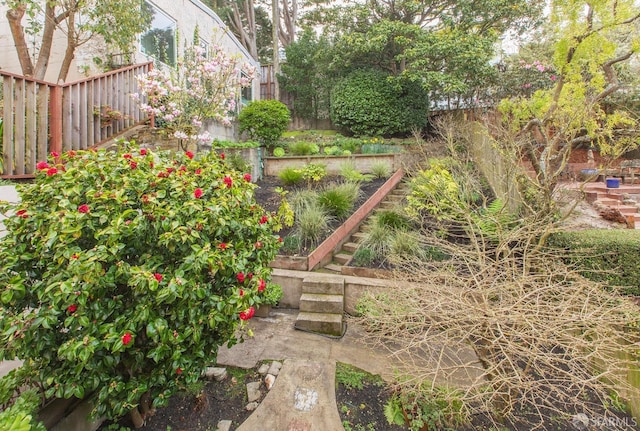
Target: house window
[(205, 47), (159, 41), (246, 95)]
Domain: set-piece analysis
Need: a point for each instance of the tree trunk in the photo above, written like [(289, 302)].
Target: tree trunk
[(50, 24), (14, 16), (71, 48)]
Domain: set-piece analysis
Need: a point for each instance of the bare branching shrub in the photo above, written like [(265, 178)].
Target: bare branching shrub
[(526, 339)]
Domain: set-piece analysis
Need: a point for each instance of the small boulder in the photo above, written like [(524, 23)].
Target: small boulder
[(269, 380), (274, 369), (253, 391), (216, 373), (251, 406), (263, 369), (224, 425)]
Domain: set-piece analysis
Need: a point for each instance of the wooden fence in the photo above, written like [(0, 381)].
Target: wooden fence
[(40, 117)]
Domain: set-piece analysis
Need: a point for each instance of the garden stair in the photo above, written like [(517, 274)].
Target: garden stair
[(344, 256), (598, 195), (322, 305)]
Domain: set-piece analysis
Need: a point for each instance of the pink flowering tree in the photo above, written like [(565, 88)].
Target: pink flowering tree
[(199, 88), (122, 273)]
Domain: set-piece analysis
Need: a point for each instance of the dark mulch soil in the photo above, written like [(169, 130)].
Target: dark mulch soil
[(270, 200), (201, 408)]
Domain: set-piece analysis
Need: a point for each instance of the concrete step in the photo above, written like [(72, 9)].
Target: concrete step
[(387, 205), (394, 198), (358, 237), (319, 303), (323, 323), (333, 267), (342, 258), (351, 247), (317, 283)]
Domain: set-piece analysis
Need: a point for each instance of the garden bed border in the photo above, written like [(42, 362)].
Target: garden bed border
[(323, 254)]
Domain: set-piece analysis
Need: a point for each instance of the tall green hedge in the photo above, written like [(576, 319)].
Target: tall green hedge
[(609, 256), (369, 103)]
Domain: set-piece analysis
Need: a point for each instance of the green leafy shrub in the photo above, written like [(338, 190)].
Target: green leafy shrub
[(303, 148), (123, 272), (380, 170), (220, 143), (392, 219), (405, 245), (304, 199), (291, 176), (237, 162), (363, 256), (313, 172), (291, 244), (610, 256), (339, 199), (278, 152), (428, 408), (332, 150), (377, 239), (264, 120), (349, 172), (367, 103), (311, 224), (435, 191)]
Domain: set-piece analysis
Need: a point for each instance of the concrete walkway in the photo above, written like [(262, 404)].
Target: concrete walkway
[(303, 396)]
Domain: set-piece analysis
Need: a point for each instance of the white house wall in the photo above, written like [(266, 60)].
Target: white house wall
[(188, 15)]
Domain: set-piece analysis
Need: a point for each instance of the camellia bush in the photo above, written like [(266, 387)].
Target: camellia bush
[(122, 273)]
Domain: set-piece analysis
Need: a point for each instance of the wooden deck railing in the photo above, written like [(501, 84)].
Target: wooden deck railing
[(40, 117)]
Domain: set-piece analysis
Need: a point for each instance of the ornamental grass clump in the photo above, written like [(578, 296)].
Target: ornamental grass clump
[(123, 272)]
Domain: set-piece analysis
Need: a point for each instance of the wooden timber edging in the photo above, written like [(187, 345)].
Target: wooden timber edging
[(325, 250)]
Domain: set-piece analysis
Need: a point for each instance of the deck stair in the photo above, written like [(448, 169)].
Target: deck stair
[(322, 305), (344, 256)]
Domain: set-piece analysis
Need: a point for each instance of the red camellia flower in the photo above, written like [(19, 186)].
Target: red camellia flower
[(183, 168), (133, 165), (279, 239), (228, 181), (126, 338), (170, 170), (241, 292), (262, 285), (258, 245), (158, 277), (197, 193), (240, 277), (189, 154), (41, 166), (247, 177), (22, 213), (163, 174), (198, 171), (222, 156), (222, 246), (264, 219), (74, 256), (51, 171), (83, 208), (127, 156), (179, 371), (143, 151), (72, 308), (250, 275), (54, 154), (247, 314)]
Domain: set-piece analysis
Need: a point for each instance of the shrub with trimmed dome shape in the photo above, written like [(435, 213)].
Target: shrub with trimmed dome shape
[(367, 103), (122, 273)]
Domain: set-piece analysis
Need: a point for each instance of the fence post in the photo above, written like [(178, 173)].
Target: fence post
[(55, 119)]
